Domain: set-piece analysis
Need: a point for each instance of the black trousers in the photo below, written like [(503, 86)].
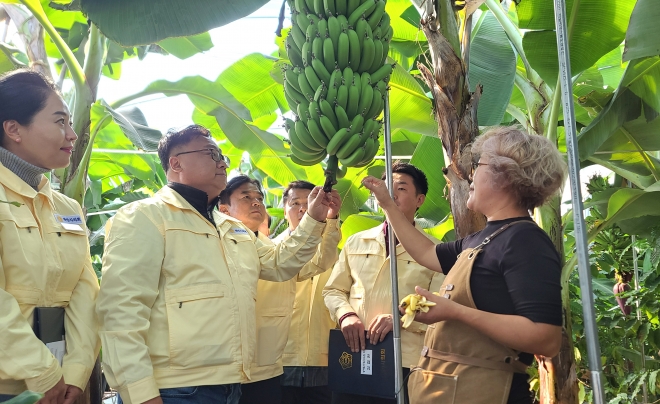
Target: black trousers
[(341, 398), (266, 391), (306, 395)]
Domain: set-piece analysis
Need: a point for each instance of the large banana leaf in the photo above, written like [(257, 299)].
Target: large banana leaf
[(429, 158), (249, 80), (596, 28), (493, 65), (624, 133), (187, 46), (411, 108), (353, 194), (142, 22), (354, 224), (644, 31)]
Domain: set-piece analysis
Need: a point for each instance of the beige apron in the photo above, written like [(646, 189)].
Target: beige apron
[(459, 364)]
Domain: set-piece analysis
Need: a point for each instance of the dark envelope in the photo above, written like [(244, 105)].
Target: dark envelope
[(368, 373), (49, 324)]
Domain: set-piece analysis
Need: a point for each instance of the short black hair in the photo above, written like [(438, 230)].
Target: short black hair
[(174, 138), (296, 185), (23, 94), (234, 184), (419, 178)]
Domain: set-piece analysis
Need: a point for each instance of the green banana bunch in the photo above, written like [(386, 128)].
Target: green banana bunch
[(337, 81)]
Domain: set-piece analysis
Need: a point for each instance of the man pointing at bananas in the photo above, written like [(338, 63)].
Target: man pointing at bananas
[(177, 300)]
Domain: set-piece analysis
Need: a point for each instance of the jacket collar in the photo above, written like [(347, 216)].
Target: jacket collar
[(376, 233), (17, 185)]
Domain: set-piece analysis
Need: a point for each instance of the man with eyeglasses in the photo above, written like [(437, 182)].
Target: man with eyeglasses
[(177, 299)]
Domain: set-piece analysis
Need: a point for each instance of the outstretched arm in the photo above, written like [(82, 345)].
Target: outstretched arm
[(420, 248)]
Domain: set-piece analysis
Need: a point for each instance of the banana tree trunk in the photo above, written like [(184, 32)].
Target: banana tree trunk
[(456, 113), (32, 35)]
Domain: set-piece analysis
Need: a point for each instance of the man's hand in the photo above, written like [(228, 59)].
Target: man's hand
[(55, 395), (318, 203), (72, 393), (379, 189), (335, 205), (379, 327), (155, 400), (353, 331)]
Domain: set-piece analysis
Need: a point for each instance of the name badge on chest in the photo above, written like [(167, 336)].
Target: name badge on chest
[(70, 222)]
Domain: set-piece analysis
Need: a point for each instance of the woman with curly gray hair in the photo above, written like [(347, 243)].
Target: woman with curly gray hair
[(500, 303)]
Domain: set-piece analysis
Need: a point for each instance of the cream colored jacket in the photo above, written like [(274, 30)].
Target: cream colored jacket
[(43, 264), (360, 282), (275, 304), (177, 300), (307, 343)]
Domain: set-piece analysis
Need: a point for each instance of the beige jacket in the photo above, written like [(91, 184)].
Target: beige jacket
[(360, 282), (275, 301), (43, 264), (307, 343), (177, 299)]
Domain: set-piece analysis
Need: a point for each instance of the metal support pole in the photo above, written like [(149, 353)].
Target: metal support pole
[(396, 324), (591, 332)]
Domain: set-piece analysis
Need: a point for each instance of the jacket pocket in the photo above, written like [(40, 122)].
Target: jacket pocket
[(426, 387), (272, 334), (202, 326)]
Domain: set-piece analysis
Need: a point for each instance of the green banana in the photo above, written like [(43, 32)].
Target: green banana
[(318, 8), (377, 33), (386, 51), (384, 24), (317, 49), (303, 155), (291, 92), (307, 53), (296, 141), (314, 112), (354, 158), (318, 135), (343, 22), (367, 57), (366, 99), (341, 172), (382, 73), (292, 103), (311, 32), (353, 100), (357, 80), (329, 54), (301, 162), (361, 28), (375, 17), (362, 11), (342, 96), (323, 28), (305, 137), (343, 48), (313, 18), (315, 130), (342, 118), (326, 109), (348, 76), (322, 73), (349, 147), (329, 6), (353, 49), (388, 35), (298, 36), (381, 86), (376, 106), (356, 124), (303, 21), (328, 128), (292, 77), (307, 90), (334, 29), (340, 7), (303, 111), (337, 141), (331, 97), (365, 80), (370, 125), (313, 80), (310, 5), (300, 6), (321, 92), (292, 50), (378, 55), (352, 5), (370, 153)]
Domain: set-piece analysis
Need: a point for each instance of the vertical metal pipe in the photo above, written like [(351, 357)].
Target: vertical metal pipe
[(591, 331), (396, 324)]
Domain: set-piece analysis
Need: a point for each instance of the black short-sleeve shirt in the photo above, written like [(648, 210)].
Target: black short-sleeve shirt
[(517, 273)]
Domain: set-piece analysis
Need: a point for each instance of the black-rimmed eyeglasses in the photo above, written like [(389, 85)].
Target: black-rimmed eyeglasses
[(476, 165), (215, 155)]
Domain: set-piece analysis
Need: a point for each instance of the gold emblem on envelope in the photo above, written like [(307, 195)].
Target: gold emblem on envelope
[(346, 360)]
